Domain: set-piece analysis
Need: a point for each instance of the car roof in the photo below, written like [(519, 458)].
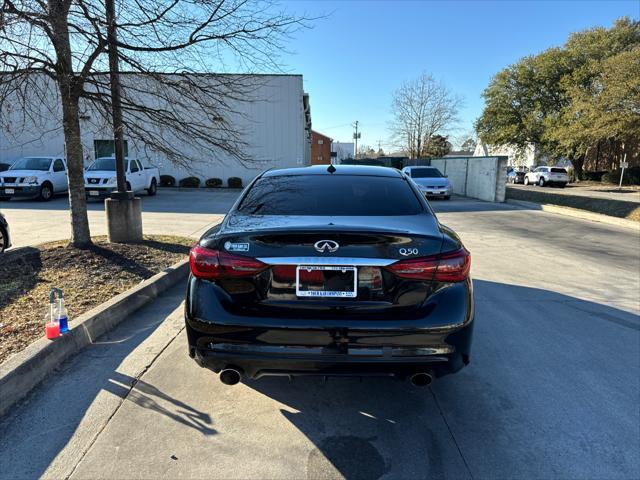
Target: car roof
[(367, 170), (422, 166)]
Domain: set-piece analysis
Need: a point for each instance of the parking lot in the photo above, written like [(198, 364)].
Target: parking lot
[(552, 389), (171, 212)]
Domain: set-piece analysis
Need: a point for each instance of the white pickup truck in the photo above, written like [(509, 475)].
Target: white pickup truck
[(100, 177), (34, 177)]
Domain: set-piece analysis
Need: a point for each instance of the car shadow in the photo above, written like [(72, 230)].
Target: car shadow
[(542, 398), (538, 391)]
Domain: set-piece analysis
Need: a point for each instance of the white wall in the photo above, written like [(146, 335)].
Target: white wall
[(526, 157), (343, 151), (273, 126), (476, 177)]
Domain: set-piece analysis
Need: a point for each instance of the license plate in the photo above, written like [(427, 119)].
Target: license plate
[(94, 193), (9, 191), (326, 281)]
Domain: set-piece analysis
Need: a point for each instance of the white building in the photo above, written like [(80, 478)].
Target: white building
[(528, 157), (341, 151), (275, 127)]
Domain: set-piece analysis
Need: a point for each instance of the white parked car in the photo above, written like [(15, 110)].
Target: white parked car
[(34, 177), (430, 181), (547, 176), (100, 177)]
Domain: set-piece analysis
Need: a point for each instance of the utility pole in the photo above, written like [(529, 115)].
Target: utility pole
[(356, 136), (124, 212), (116, 106)]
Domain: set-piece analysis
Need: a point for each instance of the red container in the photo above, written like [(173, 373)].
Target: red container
[(52, 330)]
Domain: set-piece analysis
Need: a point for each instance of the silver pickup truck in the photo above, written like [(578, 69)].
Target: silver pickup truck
[(100, 177)]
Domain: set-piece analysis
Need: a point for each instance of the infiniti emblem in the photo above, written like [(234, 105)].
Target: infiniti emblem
[(326, 246)]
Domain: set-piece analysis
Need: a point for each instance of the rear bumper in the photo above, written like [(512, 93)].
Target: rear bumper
[(256, 364), (439, 341), (438, 192), (31, 191)]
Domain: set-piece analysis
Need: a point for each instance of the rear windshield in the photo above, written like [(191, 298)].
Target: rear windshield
[(425, 173), (558, 170), (330, 195), (32, 164)]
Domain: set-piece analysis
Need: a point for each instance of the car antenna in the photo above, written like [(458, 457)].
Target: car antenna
[(331, 169)]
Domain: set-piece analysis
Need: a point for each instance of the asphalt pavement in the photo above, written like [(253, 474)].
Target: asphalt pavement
[(552, 390), (170, 212)]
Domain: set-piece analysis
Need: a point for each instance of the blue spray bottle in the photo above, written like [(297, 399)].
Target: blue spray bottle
[(61, 313)]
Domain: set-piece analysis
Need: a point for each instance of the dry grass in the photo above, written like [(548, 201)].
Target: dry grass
[(605, 206), (88, 278)]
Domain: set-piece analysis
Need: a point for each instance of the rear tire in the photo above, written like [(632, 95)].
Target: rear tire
[(541, 182), (562, 185), (46, 192), (128, 187), (153, 188), (4, 239)]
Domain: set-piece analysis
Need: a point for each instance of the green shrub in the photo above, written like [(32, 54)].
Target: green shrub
[(631, 176), (167, 181), (593, 176), (190, 182), (234, 182), (213, 182)]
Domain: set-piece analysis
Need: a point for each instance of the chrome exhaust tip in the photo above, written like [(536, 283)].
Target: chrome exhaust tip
[(421, 379), (230, 376)]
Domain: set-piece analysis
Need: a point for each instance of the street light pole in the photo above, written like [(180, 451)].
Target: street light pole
[(116, 107)]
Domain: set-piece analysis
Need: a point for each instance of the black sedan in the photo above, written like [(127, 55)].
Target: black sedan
[(516, 176), (322, 270), (5, 240)]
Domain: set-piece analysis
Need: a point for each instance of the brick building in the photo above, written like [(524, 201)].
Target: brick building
[(320, 149)]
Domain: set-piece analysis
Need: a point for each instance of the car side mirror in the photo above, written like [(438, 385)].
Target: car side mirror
[(446, 176)]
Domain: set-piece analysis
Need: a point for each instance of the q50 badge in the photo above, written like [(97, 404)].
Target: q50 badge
[(236, 247), (408, 251)]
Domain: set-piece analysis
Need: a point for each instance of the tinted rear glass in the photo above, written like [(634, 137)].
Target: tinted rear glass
[(425, 173), (558, 170), (330, 195)]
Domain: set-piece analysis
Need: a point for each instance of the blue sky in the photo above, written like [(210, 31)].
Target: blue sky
[(354, 59)]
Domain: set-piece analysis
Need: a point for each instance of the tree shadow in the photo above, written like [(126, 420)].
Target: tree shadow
[(539, 400), (18, 273), (148, 396)]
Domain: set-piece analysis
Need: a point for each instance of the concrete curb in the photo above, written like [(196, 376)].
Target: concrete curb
[(576, 213), (25, 370), (200, 189)]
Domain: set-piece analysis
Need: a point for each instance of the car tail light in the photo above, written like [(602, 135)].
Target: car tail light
[(449, 267), (213, 264)]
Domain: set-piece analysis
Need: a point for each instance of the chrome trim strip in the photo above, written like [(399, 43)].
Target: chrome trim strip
[(358, 262)]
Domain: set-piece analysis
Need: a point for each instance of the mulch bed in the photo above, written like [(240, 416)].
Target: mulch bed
[(88, 277)]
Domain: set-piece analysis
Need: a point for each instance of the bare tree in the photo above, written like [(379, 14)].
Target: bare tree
[(58, 48), (422, 108)]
